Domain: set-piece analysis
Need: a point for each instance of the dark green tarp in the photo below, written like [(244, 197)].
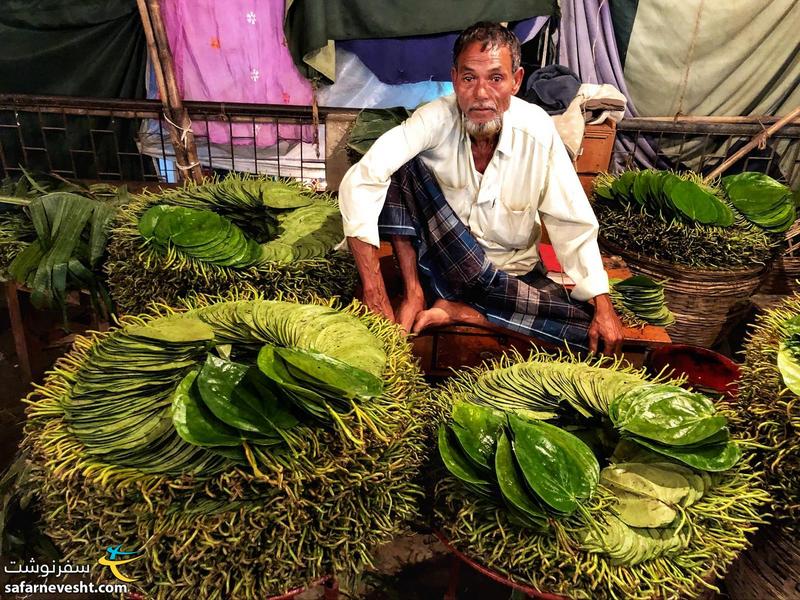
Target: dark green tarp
[(92, 48), (311, 23)]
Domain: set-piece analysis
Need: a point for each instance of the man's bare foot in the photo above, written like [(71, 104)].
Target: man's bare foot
[(445, 312), (411, 306)]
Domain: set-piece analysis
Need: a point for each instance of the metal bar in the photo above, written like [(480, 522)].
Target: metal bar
[(642, 124), (152, 108)]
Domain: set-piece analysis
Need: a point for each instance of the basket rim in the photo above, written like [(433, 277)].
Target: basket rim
[(727, 273)]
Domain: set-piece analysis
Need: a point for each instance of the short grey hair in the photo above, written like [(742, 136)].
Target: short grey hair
[(492, 35)]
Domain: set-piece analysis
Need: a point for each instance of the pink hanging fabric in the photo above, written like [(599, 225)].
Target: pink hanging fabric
[(235, 51)]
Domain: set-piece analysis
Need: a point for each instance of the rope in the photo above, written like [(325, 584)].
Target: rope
[(185, 131), (685, 82)]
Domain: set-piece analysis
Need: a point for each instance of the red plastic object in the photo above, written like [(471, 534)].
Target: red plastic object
[(548, 257), (703, 368), (493, 575)]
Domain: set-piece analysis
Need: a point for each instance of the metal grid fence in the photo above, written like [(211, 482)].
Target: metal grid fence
[(701, 147), (126, 140)]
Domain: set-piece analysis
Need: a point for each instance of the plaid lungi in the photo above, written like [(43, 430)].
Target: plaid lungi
[(453, 265)]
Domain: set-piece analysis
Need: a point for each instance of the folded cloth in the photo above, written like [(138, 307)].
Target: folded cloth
[(552, 87), (453, 266)]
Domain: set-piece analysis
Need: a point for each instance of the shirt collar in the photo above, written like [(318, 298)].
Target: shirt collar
[(504, 143)]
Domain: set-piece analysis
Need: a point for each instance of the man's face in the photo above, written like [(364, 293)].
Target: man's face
[(484, 83)]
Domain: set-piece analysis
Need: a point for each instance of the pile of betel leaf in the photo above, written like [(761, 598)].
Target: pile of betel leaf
[(768, 405), (639, 300), (230, 234), (681, 219), (296, 429), (548, 454)]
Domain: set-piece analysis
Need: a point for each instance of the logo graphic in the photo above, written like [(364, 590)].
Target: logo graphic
[(112, 561)]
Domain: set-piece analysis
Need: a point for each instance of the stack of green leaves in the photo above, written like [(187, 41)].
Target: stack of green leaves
[(768, 409), (672, 502), (71, 234), (106, 437), (530, 464), (763, 201), (789, 355), (672, 421), (372, 123), (202, 234), (230, 234), (667, 194), (60, 248), (639, 299)]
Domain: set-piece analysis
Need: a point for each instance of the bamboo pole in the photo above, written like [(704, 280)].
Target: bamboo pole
[(186, 149), (174, 135), (757, 139), (751, 119), (168, 66)]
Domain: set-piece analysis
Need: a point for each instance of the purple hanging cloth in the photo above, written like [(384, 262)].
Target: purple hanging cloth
[(589, 48), (419, 58), (235, 51)]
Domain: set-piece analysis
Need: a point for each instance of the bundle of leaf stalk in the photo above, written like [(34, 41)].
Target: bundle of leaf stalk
[(269, 442), (589, 480), (53, 237), (768, 405), (678, 218), (225, 235)]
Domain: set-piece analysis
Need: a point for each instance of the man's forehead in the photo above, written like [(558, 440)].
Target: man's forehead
[(484, 55)]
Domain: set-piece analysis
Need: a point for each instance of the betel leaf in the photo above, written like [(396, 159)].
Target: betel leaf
[(667, 414), (194, 422), (559, 467), (455, 461), (512, 485), (348, 379), (222, 387), (714, 457), (789, 369), (477, 429), (173, 330)]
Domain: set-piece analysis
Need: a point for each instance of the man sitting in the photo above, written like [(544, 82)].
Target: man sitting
[(462, 189)]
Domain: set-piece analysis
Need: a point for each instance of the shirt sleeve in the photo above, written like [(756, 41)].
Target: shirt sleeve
[(363, 188), (572, 225)]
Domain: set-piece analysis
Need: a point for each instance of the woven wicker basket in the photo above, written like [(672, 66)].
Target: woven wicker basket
[(784, 275), (703, 302)]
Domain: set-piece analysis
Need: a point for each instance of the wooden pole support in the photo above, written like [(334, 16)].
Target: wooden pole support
[(174, 135), (755, 141), (179, 125)]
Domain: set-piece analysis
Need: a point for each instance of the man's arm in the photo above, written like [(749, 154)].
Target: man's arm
[(361, 197), (573, 230), (605, 326), (369, 270)]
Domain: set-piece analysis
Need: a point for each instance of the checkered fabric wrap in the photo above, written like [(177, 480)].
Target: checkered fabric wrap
[(453, 265)]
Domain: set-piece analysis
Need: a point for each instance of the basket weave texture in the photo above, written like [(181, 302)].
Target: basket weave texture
[(705, 303), (785, 273)]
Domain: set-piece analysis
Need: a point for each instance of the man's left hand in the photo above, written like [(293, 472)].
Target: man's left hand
[(605, 326)]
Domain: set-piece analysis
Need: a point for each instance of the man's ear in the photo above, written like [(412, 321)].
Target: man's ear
[(453, 74), (518, 80)]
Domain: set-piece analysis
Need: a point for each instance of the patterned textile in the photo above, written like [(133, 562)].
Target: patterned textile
[(235, 51), (453, 265)]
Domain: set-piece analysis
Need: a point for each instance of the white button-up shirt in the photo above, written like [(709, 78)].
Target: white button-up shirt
[(529, 181)]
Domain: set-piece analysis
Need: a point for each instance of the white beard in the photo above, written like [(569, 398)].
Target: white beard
[(481, 131)]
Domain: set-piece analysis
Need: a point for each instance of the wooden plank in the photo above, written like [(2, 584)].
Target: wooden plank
[(18, 330)]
